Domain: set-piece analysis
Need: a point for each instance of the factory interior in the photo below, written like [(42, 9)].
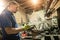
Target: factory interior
[(41, 15)]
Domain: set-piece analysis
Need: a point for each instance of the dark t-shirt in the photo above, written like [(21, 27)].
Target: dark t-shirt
[(7, 20)]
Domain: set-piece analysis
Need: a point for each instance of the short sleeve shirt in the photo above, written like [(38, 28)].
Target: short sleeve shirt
[(7, 20)]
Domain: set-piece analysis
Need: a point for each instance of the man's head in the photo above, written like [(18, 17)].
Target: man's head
[(13, 6)]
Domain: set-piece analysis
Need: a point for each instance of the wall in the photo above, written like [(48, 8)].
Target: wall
[(21, 16)]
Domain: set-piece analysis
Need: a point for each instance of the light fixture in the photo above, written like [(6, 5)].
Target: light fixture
[(35, 2)]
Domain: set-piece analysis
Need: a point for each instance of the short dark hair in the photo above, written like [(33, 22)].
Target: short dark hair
[(12, 3)]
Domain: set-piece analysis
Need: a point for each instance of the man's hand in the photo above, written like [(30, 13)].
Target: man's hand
[(26, 27)]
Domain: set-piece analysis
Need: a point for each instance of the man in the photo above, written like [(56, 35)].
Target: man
[(10, 31)]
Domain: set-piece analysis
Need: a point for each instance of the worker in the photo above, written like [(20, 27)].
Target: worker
[(10, 31)]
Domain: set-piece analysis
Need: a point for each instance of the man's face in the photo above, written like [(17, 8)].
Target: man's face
[(14, 8)]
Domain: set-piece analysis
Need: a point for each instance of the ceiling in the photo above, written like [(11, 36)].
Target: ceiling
[(29, 6)]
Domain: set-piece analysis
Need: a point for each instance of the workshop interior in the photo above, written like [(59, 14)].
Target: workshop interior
[(41, 15)]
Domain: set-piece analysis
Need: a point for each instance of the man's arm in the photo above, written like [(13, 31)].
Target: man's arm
[(10, 30)]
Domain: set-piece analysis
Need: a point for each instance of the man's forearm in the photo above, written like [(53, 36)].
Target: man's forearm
[(13, 30)]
